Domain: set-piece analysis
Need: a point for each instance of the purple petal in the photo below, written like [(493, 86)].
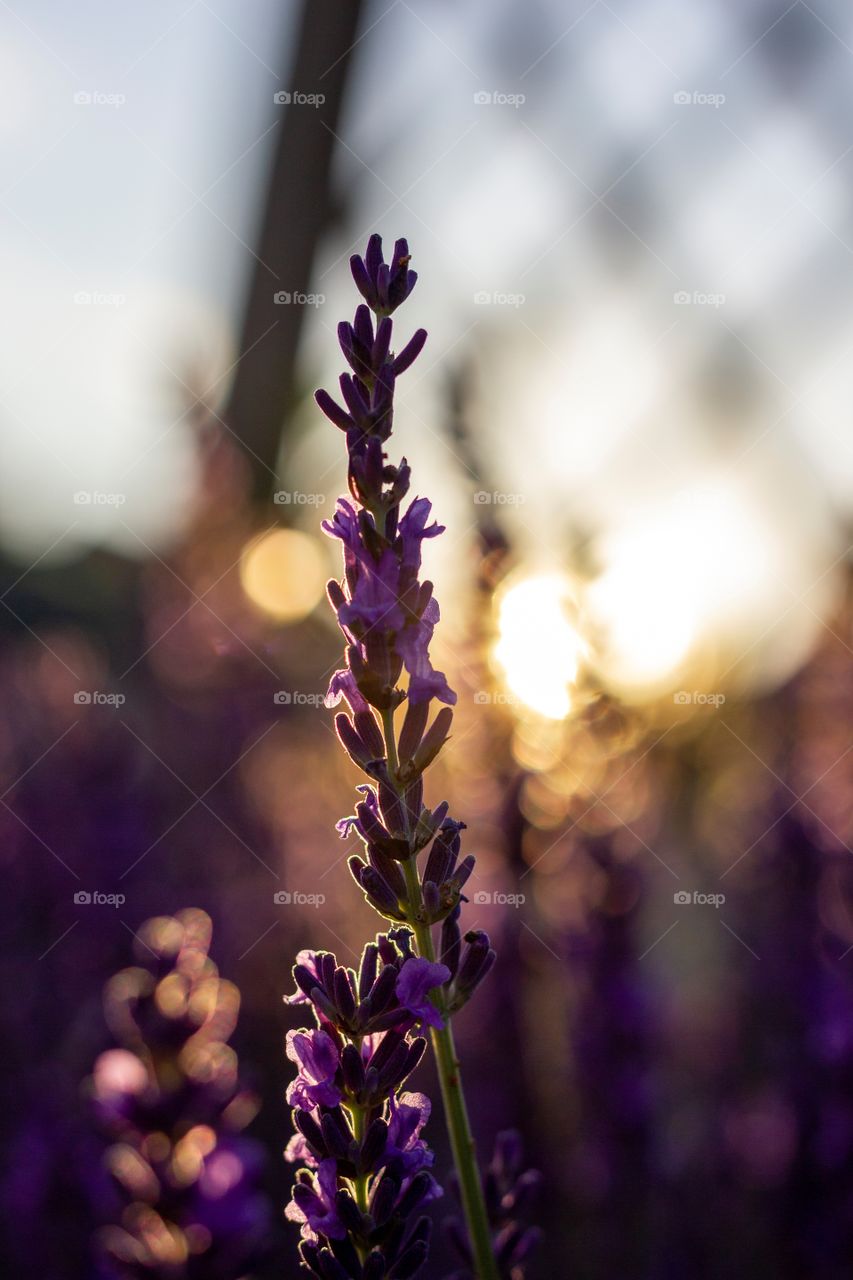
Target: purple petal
[(308, 960), (361, 277), (416, 979), (314, 1206), (343, 685), (297, 1150), (318, 1059), (373, 256), (410, 352), (333, 410)]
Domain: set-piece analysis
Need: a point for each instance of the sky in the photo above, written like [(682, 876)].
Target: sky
[(630, 222)]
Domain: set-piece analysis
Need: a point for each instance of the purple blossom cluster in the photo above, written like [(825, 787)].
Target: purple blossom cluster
[(387, 616), (170, 1099), (359, 1136)]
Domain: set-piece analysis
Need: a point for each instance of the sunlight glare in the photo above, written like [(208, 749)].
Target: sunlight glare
[(538, 648), (676, 581)]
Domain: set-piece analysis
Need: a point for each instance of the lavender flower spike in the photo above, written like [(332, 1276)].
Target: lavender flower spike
[(170, 1101), (356, 1211), (510, 1195), (365, 1165)]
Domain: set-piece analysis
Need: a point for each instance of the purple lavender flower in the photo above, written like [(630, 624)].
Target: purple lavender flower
[(386, 615), (409, 1112), (383, 286), (382, 610), (313, 1203), (353, 1113), (306, 962), (358, 1137), (417, 979), (318, 1059)]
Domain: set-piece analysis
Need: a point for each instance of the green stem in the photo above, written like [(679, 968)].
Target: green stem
[(360, 1183), (358, 1127), (449, 1073)]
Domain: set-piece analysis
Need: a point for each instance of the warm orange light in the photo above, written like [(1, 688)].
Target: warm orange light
[(283, 572)]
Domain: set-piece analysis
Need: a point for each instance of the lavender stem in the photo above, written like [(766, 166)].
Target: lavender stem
[(449, 1071)]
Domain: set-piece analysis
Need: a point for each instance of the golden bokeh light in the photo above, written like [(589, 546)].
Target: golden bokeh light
[(646, 624), (680, 591), (117, 1072), (677, 585), (171, 996), (283, 572), (539, 649)]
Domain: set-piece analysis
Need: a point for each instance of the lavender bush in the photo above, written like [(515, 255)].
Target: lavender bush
[(171, 1101), (367, 1168)]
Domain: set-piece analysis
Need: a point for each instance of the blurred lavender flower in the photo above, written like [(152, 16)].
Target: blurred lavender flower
[(510, 1195), (171, 1101)]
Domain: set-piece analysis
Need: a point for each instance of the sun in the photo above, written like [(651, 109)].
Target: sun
[(539, 649)]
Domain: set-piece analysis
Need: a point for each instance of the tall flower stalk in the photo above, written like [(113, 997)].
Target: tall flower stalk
[(370, 1167)]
